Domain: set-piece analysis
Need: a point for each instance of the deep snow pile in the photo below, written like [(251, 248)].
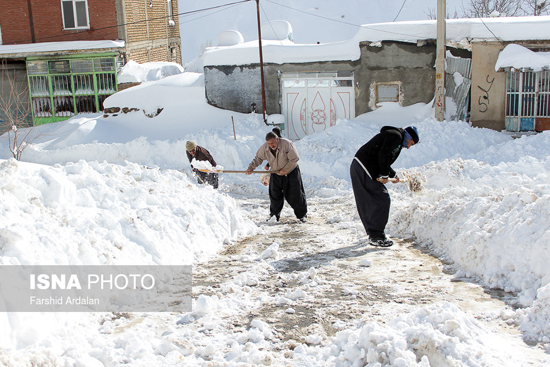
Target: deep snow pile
[(484, 207), (100, 213), (133, 72)]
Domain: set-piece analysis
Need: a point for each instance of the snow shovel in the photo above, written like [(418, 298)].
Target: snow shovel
[(414, 181)]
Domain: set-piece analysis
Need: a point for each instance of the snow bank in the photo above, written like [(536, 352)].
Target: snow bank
[(133, 72), (484, 206), (435, 335), (99, 213)]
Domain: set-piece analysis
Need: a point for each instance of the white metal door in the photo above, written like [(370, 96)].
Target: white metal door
[(311, 105)]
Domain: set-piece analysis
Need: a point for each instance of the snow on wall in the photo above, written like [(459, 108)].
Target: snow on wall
[(506, 28), (518, 57)]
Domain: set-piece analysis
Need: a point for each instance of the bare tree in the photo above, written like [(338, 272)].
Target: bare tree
[(486, 8), (536, 7), (15, 110), (432, 14)]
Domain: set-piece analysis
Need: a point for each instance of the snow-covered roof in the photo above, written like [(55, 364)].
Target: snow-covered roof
[(505, 28), (133, 72), (54, 47), (516, 56)]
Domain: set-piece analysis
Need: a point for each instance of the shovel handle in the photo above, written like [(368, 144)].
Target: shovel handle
[(233, 171), (392, 179)]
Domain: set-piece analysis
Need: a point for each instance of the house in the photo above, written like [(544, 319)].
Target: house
[(314, 85), (66, 53), (527, 88)]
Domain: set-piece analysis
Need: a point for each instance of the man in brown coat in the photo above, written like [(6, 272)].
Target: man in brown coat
[(201, 154), (286, 183)]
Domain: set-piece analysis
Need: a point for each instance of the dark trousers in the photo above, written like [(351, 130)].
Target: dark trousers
[(209, 178), (372, 200), (291, 188)]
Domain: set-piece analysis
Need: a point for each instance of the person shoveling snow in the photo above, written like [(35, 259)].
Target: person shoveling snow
[(286, 183), (197, 154), (370, 170)]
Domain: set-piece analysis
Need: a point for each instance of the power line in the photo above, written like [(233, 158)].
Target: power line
[(131, 23), (489, 29), (404, 1), (229, 6), (347, 23), (315, 15), (269, 22)]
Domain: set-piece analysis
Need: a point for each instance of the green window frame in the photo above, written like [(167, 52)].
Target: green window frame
[(61, 88)]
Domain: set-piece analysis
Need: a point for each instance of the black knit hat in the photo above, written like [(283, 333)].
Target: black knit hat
[(413, 132)]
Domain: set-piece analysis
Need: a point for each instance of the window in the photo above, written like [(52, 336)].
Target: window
[(62, 88), (527, 99), (75, 13), (388, 92)]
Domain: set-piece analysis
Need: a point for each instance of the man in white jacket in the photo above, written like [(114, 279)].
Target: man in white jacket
[(286, 183)]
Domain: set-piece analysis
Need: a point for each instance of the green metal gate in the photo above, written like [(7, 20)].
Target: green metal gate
[(63, 87)]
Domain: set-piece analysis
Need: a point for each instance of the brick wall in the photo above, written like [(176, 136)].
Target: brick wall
[(170, 53), (150, 36), (150, 20), (48, 22)]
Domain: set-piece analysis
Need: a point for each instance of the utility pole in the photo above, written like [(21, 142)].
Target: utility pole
[(261, 60), (440, 61)]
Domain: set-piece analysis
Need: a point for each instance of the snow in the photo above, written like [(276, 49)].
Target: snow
[(277, 30), (312, 21), (230, 38), (50, 47), (518, 57), (96, 190), (119, 190), (278, 52), (133, 72), (99, 213)]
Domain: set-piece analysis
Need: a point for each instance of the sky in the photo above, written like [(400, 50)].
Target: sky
[(312, 21)]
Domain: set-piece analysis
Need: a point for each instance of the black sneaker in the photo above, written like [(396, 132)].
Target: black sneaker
[(303, 219), (381, 242)]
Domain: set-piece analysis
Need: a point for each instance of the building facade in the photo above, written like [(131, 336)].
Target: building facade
[(515, 100), (390, 62), (312, 96), (70, 50)]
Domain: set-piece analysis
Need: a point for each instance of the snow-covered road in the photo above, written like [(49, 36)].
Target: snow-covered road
[(317, 294)]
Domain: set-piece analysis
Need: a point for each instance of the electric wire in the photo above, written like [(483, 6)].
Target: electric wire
[(207, 15), (269, 22), (132, 23), (347, 23), (489, 29), (404, 1)]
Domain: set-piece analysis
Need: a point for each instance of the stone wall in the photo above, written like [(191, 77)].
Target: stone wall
[(408, 64)]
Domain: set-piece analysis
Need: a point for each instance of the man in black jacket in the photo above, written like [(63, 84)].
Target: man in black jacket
[(201, 154), (370, 170)]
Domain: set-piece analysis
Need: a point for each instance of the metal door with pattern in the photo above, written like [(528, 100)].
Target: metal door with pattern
[(311, 105)]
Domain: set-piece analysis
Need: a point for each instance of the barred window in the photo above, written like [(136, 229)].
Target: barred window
[(527, 99), (61, 88)]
